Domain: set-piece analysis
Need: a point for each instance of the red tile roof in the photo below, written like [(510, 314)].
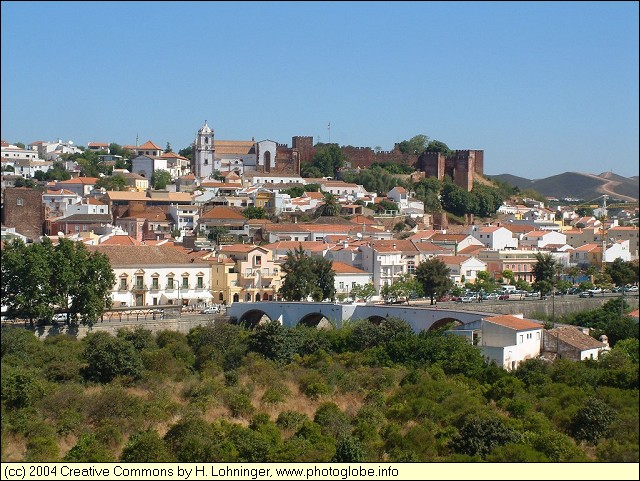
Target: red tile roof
[(148, 145), (222, 212), (342, 268), (513, 322)]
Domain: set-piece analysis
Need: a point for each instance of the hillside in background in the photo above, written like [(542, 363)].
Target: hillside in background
[(578, 184)]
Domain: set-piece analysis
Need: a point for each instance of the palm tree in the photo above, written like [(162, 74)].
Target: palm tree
[(331, 205)]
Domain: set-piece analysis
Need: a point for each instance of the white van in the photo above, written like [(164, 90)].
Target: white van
[(508, 289)]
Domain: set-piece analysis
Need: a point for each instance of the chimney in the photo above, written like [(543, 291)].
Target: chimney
[(394, 245)]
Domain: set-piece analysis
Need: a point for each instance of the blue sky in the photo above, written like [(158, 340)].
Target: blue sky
[(542, 87)]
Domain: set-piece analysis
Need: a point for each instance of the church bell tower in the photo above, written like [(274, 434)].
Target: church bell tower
[(203, 153)]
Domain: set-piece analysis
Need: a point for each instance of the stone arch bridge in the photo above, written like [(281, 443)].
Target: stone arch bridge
[(290, 314)]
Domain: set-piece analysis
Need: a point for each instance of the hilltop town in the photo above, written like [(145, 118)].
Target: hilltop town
[(223, 204)]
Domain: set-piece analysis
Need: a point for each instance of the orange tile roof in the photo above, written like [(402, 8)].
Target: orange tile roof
[(473, 249), (241, 248), (589, 248), (513, 322), (222, 212), (453, 259), (141, 255), (312, 246), (121, 240), (342, 268), (172, 155), (404, 245), (80, 180), (148, 145)]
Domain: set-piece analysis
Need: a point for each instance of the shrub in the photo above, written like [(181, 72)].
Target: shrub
[(146, 447)]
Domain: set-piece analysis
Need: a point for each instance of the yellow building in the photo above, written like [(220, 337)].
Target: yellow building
[(244, 273)]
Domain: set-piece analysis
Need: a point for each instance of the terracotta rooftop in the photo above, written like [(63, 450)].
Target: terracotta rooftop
[(121, 240), (148, 145), (145, 255), (575, 337), (513, 322), (80, 180), (342, 268), (222, 212)]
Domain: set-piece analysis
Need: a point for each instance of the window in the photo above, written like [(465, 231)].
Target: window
[(185, 282), (200, 284), (170, 283), (341, 285), (154, 283), (521, 338), (257, 260), (247, 272), (139, 282), (123, 284)]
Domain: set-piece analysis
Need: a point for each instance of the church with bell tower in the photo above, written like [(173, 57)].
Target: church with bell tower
[(203, 153)]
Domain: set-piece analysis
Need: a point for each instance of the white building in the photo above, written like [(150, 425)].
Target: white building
[(466, 267), (150, 275), (508, 340), (145, 165), (494, 237), (347, 277), (541, 238)]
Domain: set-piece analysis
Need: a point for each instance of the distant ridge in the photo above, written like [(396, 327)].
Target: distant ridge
[(579, 185)]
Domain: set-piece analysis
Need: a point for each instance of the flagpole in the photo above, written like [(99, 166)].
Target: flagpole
[(329, 128)]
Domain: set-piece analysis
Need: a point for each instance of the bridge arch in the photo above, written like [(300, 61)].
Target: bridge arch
[(443, 322), (316, 319), (377, 320), (252, 318)]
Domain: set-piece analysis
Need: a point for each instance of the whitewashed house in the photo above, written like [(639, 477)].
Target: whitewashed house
[(149, 275), (507, 340), (495, 237), (347, 277)]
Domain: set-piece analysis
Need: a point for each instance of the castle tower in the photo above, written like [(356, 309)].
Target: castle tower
[(203, 152)]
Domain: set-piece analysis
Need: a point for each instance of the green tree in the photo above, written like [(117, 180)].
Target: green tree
[(435, 278), (160, 178), (253, 212), (363, 291), (89, 450), (331, 205), (621, 272), (294, 192), (328, 159), (146, 447), (349, 450), (114, 182), (217, 232), (414, 146), (479, 436), (187, 152), (91, 289), (508, 274), (108, 357), (592, 422), (307, 276), (407, 286), (437, 146), (545, 271)]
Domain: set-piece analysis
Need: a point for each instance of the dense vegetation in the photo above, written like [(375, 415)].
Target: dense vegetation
[(362, 393)]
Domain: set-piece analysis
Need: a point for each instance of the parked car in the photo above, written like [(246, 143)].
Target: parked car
[(574, 290), (211, 310), (586, 294), (631, 289), (503, 297), (595, 290), (444, 299)]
